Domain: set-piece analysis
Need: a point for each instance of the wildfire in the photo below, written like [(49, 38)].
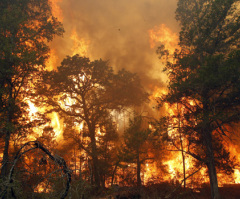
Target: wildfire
[(175, 162), (80, 46), (158, 35)]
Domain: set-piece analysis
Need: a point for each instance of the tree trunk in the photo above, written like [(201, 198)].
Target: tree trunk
[(8, 127), (182, 150), (114, 172), (211, 166), (95, 168), (4, 170), (213, 180), (207, 140), (184, 167), (139, 182)]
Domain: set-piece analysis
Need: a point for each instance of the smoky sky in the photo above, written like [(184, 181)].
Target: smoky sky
[(117, 31)]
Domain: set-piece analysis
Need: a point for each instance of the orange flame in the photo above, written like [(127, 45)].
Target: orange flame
[(57, 125), (52, 60), (42, 188), (80, 45), (56, 10), (163, 35)]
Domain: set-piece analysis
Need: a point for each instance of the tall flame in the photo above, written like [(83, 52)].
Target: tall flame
[(80, 45)]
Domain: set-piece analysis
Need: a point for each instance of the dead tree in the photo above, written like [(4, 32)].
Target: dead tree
[(29, 146)]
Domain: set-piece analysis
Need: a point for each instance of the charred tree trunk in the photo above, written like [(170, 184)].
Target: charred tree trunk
[(24, 149)]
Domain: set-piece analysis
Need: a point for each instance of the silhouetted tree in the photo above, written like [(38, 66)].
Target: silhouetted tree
[(204, 78), (26, 26), (136, 143), (86, 92)]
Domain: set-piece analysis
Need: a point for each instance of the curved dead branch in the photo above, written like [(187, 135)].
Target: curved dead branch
[(37, 145)]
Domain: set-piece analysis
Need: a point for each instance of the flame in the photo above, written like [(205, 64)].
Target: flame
[(52, 60), (163, 35), (56, 10), (32, 110), (237, 176), (175, 162), (234, 152), (57, 125), (80, 45), (43, 187)]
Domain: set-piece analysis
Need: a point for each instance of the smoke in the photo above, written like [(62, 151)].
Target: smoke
[(117, 31)]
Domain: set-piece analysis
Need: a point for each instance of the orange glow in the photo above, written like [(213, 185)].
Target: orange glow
[(175, 162)]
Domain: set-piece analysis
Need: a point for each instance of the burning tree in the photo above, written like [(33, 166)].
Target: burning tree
[(26, 26), (86, 92), (204, 79)]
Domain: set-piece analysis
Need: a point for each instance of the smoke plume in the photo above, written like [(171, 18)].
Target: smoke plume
[(117, 31)]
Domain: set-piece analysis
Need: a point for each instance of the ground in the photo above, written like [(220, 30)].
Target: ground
[(169, 191)]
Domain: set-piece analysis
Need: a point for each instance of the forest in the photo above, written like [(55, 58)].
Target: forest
[(81, 126)]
